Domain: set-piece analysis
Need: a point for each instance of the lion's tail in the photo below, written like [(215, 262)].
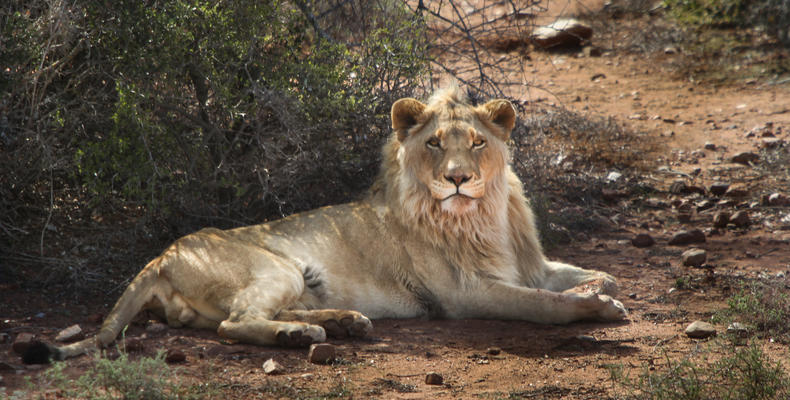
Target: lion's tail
[(139, 292)]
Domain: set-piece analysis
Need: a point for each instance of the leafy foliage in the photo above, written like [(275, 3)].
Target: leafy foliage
[(742, 373)]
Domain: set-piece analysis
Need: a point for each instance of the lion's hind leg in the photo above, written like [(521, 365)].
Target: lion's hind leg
[(337, 323)]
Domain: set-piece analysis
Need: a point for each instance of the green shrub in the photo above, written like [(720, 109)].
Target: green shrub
[(739, 374), (122, 378), (770, 15)]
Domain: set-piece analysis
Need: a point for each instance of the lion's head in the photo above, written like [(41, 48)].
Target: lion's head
[(451, 160)]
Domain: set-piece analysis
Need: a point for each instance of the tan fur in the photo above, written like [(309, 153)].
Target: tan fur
[(445, 232)]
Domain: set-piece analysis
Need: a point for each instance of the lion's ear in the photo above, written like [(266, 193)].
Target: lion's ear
[(404, 116), (502, 114)]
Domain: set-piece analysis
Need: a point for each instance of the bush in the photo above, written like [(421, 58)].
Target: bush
[(122, 378), (771, 15), (233, 111), (739, 374)]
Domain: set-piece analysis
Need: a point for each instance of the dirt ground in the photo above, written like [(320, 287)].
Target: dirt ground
[(501, 359)]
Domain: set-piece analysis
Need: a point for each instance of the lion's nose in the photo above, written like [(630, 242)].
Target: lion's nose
[(457, 177)]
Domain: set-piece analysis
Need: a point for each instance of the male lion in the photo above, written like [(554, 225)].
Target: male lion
[(444, 232)]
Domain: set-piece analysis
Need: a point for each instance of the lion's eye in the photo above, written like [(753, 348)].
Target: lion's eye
[(433, 143), (479, 143)]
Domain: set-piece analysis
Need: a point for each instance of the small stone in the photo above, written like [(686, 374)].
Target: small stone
[(710, 146), (687, 237), (740, 219), (642, 240), (745, 158), (737, 191), (632, 296), (704, 205), (175, 356), (271, 367), (719, 188), (721, 219), (700, 330), (493, 351), (772, 143), (778, 199), (738, 329), (70, 334), (23, 342), (433, 379), (614, 176), (321, 353), (133, 345), (694, 257), (156, 327), (563, 32)]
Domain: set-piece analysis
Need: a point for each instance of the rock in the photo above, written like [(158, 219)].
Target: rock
[(700, 330), (133, 345), (614, 176), (740, 219), (23, 342), (156, 327), (719, 188), (70, 334), (710, 146), (721, 219), (271, 367), (683, 238), (563, 32), (642, 240), (777, 199), (175, 356), (704, 205), (694, 257), (493, 351), (772, 143), (433, 379), (737, 191), (738, 329), (592, 51), (745, 158), (321, 353)]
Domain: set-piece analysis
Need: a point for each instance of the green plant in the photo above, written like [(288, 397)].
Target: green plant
[(764, 306), (738, 374), (146, 378)]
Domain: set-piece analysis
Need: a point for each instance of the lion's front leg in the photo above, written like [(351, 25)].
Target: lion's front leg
[(499, 300), (561, 277)]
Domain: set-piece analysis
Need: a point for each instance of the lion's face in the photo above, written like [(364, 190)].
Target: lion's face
[(455, 151)]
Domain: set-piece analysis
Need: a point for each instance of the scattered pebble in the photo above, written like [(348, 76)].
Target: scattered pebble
[(321, 353), (694, 257), (70, 334), (740, 219), (22, 342), (738, 329), (175, 356), (721, 219), (433, 379), (719, 188), (643, 240), (745, 158), (271, 367), (700, 330), (683, 238)]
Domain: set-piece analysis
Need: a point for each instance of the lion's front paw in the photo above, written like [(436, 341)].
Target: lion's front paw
[(611, 309), (300, 337), (352, 324)]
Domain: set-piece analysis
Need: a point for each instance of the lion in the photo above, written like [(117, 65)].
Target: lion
[(445, 231)]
